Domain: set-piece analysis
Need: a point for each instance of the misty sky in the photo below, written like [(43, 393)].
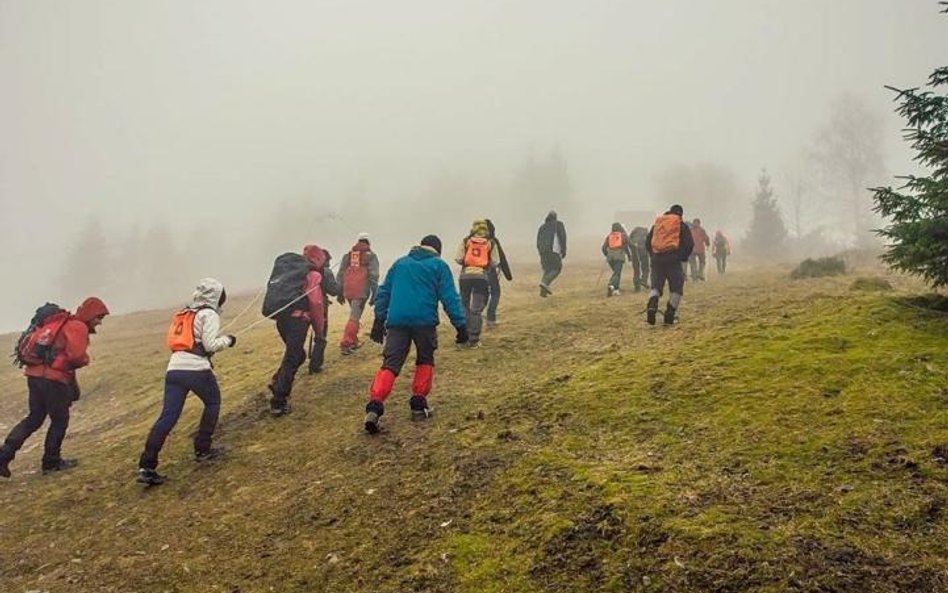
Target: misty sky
[(135, 111)]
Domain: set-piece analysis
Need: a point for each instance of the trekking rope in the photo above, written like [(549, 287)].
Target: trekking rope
[(247, 308), (275, 313)]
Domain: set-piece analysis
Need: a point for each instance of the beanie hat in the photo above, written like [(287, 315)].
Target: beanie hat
[(433, 242), (677, 209)]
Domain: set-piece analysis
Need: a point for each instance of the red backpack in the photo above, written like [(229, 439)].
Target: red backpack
[(36, 344), (356, 275)]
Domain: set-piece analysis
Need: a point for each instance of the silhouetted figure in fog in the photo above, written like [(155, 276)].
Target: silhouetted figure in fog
[(720, 249), (616, 249), (551, 244), (670, 244), (477, 257), (697, 259), (640, 258), (493, 277)]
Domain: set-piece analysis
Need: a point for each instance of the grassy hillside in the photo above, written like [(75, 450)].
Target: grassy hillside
[(786, 436)]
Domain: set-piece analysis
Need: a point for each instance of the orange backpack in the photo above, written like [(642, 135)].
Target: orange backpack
[(615, 240), (477, 254), (666, 234), (181, 331)]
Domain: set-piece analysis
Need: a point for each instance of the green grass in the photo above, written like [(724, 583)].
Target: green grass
[(783, 437)]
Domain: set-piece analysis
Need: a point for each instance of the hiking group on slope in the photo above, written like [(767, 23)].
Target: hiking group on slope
[(297, 298)]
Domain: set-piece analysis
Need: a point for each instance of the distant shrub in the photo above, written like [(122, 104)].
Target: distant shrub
[(871, 284), (817, 268)]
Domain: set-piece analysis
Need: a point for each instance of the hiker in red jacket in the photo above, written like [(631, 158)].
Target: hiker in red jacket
[(697, 259), (53, 388), (358, 277)]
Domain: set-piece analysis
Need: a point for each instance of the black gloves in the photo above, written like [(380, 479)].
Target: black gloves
[(378, 330), (233, 340), (341, 299), (462, 337)]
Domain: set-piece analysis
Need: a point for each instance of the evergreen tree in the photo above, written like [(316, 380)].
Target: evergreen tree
[(918, 234), (767, 234)]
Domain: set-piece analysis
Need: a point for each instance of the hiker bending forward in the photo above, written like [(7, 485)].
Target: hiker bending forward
[(52, 385), (406, 312), (551, 245), (193, 337), (669, 242), (359, 278), (294, 322), (477, 257)]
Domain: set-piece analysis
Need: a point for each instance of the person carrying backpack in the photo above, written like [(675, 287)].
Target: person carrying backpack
[(406, 313), (616, 248), (697, 260), (359, 278), (551, 244), (721, 249), (296, 298), (669, 243), (493, 278), (55, 345), (476, 255), (320, 338), (193, 337), (640, 258)]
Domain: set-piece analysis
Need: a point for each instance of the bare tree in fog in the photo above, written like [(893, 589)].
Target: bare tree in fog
[(800, 182), (848, 149)]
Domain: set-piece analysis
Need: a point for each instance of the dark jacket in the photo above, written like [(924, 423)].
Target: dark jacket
[(624, 252), (412, 289), (504, 264), (550, 232), (685, 245)]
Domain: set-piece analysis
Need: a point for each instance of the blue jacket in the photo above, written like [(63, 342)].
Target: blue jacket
[(413, 287)]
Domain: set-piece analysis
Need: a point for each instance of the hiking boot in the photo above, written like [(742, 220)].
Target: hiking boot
[(669, 315), (545, 290), (278, 408), (60, 465), (651, 310), (419, 407), (315, 370), (5, 468), (609, 291), (149, 477), (346, 351), (210, 454), (372, 423), (616, 292)]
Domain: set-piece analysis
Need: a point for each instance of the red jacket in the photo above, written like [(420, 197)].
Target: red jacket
[(72, 345), (701, 239), (315, 312)]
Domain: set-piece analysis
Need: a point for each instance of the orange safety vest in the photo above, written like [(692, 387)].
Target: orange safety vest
[(615, 240), (666, 234), (477, 254)]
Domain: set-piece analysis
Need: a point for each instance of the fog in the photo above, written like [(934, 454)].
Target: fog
[(146, 144)]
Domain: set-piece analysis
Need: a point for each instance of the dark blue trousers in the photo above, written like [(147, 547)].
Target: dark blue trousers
[(177, 386)]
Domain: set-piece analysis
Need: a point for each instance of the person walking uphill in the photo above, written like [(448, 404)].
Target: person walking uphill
[(359, 278), (720, 249), (406, 312), (616, 247), (193, 337), (51, 350), (296, 298), (477, 257), (640, 258), (697, 260), (551, 243), (669, 243), (493, 278)]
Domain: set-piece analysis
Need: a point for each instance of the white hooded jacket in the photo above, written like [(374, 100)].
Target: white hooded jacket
[(207, 326)]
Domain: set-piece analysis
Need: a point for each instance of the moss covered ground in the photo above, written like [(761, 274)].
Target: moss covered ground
[(785, 436)]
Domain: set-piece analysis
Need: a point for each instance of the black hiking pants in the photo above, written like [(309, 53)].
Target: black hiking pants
[(474, 297), (293, 333), (616, 278), (668, 270), (398, 341), (640, 268), (317, 351), (552, 265), (177, 386), (46, 398), (493, 300)]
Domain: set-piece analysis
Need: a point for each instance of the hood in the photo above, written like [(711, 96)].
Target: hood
[(207, 294), (480, 229), (91, 308), (316, 255), (422, 252), (617, 226), (551, 216)]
